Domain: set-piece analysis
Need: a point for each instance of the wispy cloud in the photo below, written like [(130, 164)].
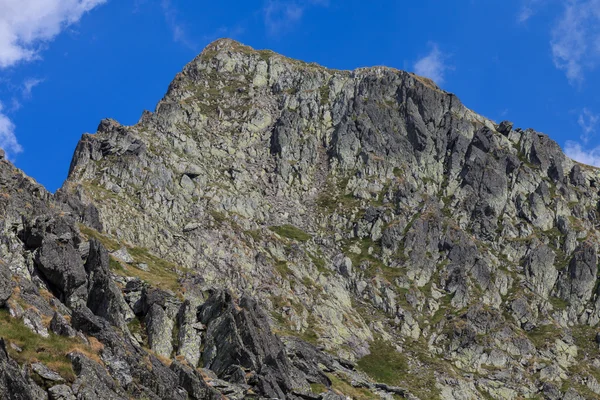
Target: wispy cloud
[(178, 28), (433, 65), (528, 10), (8, 140), (15, 105), (578, 153), (525, 13), (588, 121), (28, 86), (282, 15), (27, 25), (576, 39)]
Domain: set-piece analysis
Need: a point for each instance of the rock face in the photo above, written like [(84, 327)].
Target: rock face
[(276, 229)]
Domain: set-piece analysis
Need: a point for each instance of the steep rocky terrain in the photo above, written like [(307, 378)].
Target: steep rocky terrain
[(276, 229)]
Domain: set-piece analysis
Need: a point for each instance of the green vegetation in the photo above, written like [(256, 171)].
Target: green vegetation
[(375, 265), (334, 196), (108, 242), (319, 263), (585, 339), (51, 351), (544, 335), (162, 273), (324, 94), (256, 235), (291, 232), (318, 388), (384, 364), (136, 327), (310, 334), (219, 217), (398, 172), (445, 303), (115, 265), (282, 267), (558, 303)]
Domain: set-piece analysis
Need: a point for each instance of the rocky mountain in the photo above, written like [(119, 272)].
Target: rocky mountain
[(276, 229)]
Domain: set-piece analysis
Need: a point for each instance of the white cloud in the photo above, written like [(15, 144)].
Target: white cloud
[(26, 25), (281, 15), (15, 105), (588, 121), (433, 65), (178, 29), (576, 39), (528, 10), (8, 140), (28, 86), (525, 13), (575, 151)]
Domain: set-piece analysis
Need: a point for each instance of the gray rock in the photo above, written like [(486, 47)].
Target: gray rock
[(92, 382), (427, 221), (60, 326), (13, 385), (190, 335), (577, 282), (540, 270), (343, 265), (159, 327), (6, 284), (33, 321), (61, 392), (46, 373), (104, 297), (239, 334), (123, 255), (144, 267), (505, 127), (195, 386), (57, 257)]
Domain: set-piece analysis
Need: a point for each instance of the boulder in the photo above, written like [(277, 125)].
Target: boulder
[(104, 298), (60, 326)]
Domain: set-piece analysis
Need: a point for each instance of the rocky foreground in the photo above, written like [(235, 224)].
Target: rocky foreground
[(276, 229)]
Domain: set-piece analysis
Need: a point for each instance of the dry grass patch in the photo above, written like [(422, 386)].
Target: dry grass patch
[(51, 351), (162, 273)]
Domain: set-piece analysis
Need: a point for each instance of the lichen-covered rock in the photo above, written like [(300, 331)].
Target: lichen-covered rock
[(274, 221), (61, 392), (579, 278), (238, 335), (46, 373), (13, 385), (60, 326), (104, 298), (190, 333), (540, 270), (93, 382), (6, 284), (57, 259), (33, 320), (160, 330), (193, 383)]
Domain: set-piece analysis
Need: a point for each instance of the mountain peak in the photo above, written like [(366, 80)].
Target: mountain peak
[(283, 230)]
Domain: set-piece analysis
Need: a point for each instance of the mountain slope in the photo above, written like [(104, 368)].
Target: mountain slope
[(367, 213)]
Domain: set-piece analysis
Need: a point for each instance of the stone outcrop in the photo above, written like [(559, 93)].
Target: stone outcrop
[(277, 229)]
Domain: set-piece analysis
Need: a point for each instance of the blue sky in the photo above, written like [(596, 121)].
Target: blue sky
[(66, 64)]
